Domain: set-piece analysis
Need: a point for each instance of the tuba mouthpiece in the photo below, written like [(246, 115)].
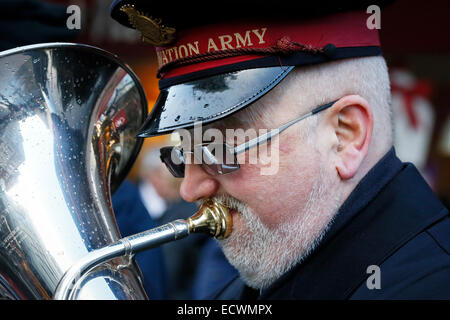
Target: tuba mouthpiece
[(212, 218)]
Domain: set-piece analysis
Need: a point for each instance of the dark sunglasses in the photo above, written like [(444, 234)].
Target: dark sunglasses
[(220, 158)]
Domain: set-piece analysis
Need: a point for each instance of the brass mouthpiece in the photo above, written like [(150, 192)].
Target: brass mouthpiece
[(212, 218)]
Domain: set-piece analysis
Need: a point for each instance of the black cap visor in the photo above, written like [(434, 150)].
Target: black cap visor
[(209, 99)]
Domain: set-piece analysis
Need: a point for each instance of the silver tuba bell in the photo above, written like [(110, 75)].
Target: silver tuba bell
[(69, 114)]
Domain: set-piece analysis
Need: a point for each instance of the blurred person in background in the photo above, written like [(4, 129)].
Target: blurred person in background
[(132, 217), (213, 271)]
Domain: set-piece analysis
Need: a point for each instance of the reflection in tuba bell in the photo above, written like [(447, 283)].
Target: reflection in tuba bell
[(69, 114)]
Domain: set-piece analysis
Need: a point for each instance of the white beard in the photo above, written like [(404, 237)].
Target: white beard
[(262, 255)]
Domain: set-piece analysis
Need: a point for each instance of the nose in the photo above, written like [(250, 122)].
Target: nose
[(197, 184)]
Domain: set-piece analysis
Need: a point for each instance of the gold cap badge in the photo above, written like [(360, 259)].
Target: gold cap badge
[(151, 29)]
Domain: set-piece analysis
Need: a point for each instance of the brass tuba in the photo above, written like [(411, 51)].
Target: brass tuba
[(69, 114)]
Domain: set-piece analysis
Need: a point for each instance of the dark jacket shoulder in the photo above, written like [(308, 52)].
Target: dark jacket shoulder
[(418, 270)]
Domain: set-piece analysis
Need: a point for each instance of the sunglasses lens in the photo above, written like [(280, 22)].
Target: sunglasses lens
[(174, 160), (219, 159), (215, 159)]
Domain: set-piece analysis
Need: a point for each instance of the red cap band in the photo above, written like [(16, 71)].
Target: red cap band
[(214, 46)]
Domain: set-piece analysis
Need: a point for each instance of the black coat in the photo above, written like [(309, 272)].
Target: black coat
[(391, 220)]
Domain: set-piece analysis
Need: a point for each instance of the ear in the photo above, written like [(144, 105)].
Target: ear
[(353, 125)]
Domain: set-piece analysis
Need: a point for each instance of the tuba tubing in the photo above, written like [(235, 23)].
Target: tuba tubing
[(212, 218)]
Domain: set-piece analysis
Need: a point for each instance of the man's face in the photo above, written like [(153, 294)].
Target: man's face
[(278, 217)]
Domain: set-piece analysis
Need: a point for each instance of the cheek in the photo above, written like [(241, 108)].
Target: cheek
[(286, 148), (275, 198)]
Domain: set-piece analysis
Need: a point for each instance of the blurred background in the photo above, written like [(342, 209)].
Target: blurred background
[(416, 45)]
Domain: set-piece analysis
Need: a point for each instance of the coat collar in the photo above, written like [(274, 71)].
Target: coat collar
[(390, 205)]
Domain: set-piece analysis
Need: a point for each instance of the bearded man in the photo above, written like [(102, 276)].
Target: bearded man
[(339, 216)]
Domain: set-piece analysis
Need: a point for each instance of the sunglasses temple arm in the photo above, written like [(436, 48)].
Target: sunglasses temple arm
[(321, 108), (269, 135), (266, 137)]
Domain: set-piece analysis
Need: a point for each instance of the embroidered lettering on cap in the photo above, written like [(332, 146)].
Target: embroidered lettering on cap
[(222, 42)]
